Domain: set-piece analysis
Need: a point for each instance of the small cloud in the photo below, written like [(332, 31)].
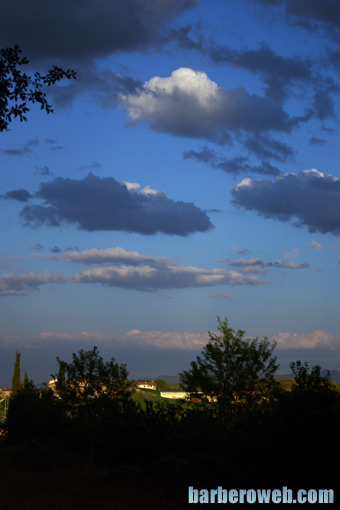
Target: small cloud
[(43, 170), (316, 141), (316, 245), (56, 249), (233, 166), (25, 150), (37, 246), (257, 265), (291, 254), (91, 166), (241, 251), (21, 195), (134, 332)]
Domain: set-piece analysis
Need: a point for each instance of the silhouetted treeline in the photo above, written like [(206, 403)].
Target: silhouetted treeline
[(287, 438)]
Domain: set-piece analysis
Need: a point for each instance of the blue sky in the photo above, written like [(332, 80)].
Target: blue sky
[(191, 170)]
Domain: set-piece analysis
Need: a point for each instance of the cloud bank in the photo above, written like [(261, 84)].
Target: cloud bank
[(315, 340), (128, 270), (169, 340)]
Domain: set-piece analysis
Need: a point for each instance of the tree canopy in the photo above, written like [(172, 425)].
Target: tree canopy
[(88, 377), (231, 368), (17, 88)]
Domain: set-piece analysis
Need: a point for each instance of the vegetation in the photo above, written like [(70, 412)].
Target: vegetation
[(18, 88), (98, 431), (16, 378), (231, 369)]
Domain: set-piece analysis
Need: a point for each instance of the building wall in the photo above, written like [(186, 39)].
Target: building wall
[(175, 394)]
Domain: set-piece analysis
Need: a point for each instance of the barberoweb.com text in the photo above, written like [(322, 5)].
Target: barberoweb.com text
[(283, 495)]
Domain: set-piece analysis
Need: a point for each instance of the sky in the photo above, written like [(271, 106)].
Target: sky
[(190, 171)]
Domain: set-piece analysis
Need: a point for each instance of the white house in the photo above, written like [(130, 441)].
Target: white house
[(147, 385)]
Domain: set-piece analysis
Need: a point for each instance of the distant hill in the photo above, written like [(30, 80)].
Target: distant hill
[(334, 374)]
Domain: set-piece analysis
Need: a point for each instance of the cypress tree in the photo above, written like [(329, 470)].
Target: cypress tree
[(16, 378), (26, 383)]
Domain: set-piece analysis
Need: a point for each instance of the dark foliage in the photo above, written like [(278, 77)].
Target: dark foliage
[(232, 370), (17, 89), (16, 377), (289, 439)]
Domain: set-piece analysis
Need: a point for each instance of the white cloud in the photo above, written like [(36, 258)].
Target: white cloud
[(149, 191), (129, 270), (131, 186), (316, 245), (189, 104), (167, 340), (135, 337), (106, 256), (313, 340), (169, 276)]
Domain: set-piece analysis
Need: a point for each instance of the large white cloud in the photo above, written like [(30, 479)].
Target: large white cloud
[(189, 104)]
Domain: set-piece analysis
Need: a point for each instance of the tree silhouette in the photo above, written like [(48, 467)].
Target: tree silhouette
[(231, 369), (91, 389), (26, 381), (18, 88), (16, 378)]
